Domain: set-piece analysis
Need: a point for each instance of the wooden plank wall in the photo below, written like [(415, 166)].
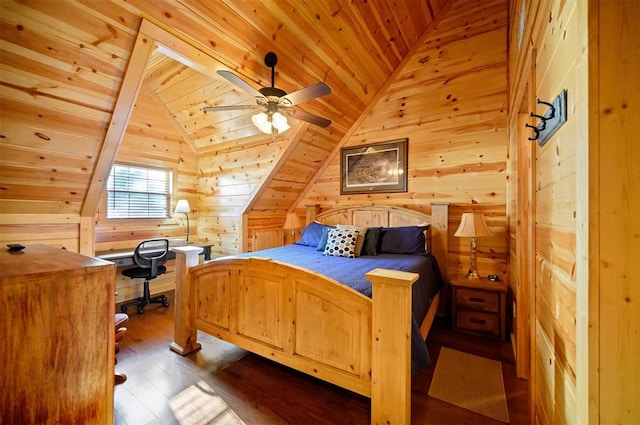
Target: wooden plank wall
[(229, 178), (152, 139), (59, 230), (560, 64), (609, 302), (59, 85), (54, 112), (554, 40), (451, 102)]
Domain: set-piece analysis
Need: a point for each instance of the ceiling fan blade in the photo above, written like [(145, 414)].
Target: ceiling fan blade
[(305, 116), (239, 82), (230, 108), (308, 93)]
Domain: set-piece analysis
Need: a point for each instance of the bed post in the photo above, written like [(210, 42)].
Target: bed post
[(440, 236), (391, 346), (312, 212), (185, 334)]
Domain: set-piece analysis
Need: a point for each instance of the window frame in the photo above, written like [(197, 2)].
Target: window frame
[(171, 184)]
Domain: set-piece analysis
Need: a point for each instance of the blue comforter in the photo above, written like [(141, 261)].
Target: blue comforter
[(351, 272)]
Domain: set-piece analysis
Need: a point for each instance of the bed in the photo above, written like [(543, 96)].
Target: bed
[(303, 319)]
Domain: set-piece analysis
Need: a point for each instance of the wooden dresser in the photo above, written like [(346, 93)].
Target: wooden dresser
[(57, 333)]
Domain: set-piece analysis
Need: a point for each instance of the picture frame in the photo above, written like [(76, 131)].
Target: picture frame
[(374, 168)]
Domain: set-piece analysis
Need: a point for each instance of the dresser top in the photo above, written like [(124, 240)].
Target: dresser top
[(37, 259)]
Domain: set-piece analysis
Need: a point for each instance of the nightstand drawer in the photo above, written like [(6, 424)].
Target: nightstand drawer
[(478, 300), (478, 321)]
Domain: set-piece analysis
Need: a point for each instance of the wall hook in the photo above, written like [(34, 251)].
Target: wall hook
[(551, 112), (552, 120), (536, 132), (543, 121)]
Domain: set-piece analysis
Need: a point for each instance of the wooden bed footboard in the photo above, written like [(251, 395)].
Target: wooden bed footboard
[(304, 320), (307, 321)]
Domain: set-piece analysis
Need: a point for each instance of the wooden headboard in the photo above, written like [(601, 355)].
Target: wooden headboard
[(373, 215)]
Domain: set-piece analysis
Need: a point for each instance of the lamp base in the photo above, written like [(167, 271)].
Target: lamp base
[(473, 263), (472, 274)]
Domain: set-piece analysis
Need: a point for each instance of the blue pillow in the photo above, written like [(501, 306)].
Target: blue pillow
[(311, 234), (323, 239), (403, 240)]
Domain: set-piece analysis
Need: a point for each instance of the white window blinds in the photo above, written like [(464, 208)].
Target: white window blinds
[(138, 192)]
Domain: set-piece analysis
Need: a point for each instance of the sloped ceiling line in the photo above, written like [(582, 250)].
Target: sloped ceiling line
[(118, 125), (383, 89), (150, 37), (163, 108)]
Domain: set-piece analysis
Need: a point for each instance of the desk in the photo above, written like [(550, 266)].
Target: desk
[(125, 258)]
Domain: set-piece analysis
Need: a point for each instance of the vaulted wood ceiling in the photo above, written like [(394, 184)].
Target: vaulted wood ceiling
[(63, 64)]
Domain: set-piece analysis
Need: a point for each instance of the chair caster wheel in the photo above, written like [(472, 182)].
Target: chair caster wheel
[(123, 309), (140, 310)]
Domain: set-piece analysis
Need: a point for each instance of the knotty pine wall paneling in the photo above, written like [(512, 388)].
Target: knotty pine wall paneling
[(450, 101), (559, 62), (229, 176), (59, 85), (269, 207), (608, 304), (554, 40), (152, 139), (521, 190), (58, 230), (585, 312)]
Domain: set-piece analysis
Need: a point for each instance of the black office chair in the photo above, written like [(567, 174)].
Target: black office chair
[(150, 256)]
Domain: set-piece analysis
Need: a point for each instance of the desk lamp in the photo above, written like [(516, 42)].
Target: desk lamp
[(292, 222), (183, 207), (473, 226)]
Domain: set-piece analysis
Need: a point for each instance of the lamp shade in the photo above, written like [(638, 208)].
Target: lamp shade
[(473, 226), (182, 206), (292, 221)]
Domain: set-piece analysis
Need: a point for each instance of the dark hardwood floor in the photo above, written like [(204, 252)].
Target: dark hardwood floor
[(263, 392)]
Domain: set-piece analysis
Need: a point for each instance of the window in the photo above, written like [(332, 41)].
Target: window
[(138, 192)]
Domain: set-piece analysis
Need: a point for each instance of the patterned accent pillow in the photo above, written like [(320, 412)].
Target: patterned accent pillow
[(341, 243), (360, 241)]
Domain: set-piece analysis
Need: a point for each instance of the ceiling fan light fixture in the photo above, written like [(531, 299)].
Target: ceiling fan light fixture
[(275, 100), (280, 123), (267, 123), (261, 121)]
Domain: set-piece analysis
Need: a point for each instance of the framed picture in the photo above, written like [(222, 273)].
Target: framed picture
[(374, 168)]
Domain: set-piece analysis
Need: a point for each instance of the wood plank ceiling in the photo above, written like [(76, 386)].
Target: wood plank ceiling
[(63, 62)]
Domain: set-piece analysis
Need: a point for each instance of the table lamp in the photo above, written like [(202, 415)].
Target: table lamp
[(292, 222), (473, 226), (183, 207)]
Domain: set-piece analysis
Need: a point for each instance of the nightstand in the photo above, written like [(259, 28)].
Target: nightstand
[(478, 306)]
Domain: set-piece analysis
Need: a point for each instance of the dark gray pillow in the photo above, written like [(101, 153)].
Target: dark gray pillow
[(371, 238)]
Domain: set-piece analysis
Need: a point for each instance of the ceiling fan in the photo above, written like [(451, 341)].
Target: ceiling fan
[(274, 101)]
